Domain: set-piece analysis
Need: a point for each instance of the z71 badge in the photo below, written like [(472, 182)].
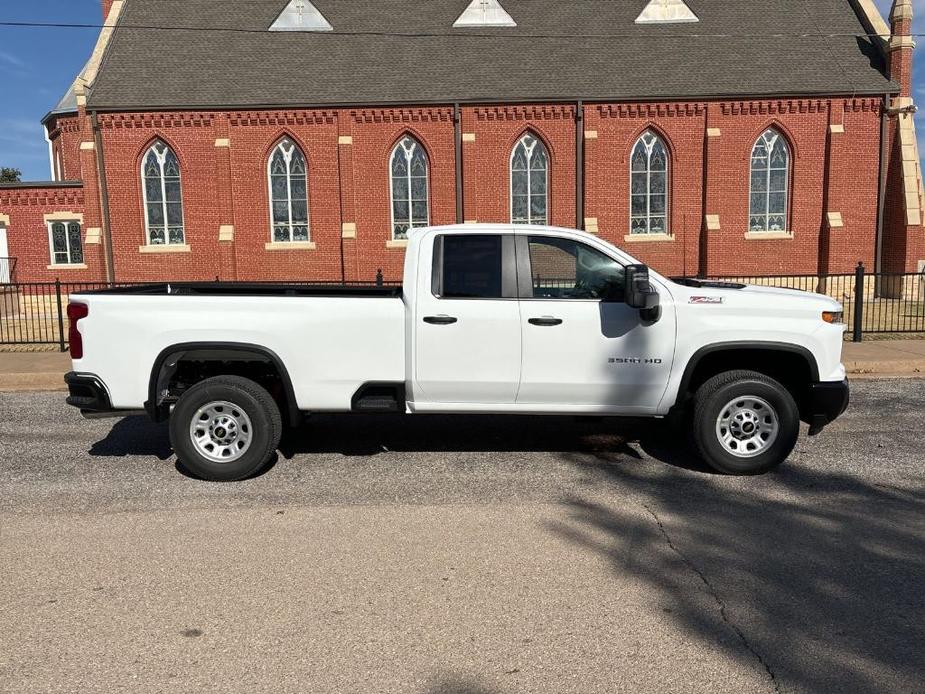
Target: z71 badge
[(706, 300)]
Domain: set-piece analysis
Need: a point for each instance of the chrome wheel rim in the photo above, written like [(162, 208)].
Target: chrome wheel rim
[(747, 426), (221, 431)]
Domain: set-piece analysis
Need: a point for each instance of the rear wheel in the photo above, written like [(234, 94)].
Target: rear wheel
[(744, 423), (225, 428)]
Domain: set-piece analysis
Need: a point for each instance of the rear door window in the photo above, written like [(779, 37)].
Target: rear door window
[(472, 267)]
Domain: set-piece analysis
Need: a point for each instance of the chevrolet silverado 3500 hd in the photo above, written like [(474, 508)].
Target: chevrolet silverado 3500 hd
[(496, 318)]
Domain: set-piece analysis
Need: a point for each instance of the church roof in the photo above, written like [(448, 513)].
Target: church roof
[(217, 53)]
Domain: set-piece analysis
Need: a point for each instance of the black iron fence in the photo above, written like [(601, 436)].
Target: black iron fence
[(35, 313)]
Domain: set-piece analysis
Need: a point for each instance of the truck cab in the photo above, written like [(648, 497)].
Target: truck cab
[(533, 320)]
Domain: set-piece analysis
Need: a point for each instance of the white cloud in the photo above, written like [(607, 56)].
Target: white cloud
[(11, 59)]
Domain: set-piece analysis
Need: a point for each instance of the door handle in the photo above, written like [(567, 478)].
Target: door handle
[(440, 320), (545, 321)]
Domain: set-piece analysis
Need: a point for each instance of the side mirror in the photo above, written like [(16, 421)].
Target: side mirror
[(639, 293)]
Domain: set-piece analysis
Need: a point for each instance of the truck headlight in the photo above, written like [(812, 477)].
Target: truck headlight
[(834, 317)]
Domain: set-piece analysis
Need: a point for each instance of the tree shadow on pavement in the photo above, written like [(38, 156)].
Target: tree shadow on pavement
[(817, 579)]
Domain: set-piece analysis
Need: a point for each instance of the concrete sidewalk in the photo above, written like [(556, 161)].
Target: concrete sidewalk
[(39, 371), (33, 371)]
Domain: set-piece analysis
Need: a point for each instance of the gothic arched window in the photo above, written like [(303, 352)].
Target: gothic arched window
[(770, 179), (160, 178), (649, 185), (287, 175), (408, 167), (529, 181)]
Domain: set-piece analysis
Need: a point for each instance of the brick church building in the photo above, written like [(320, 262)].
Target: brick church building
[(288, 139)]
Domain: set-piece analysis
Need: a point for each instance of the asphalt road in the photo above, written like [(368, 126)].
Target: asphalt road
[(452, 555)]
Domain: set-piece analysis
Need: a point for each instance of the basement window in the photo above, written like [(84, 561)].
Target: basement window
[(301, 15), (484, 13), (666, 12)]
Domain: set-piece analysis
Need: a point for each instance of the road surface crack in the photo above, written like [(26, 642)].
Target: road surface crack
[(716, 598)]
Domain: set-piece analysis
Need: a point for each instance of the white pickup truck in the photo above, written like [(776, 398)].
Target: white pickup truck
[(497, 319)]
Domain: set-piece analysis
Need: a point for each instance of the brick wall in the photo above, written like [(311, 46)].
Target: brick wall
[(65, 135), (251, 138), (127, 138), (27, 233), (486, 159), (835, 149), (374, 133), (607, 174)]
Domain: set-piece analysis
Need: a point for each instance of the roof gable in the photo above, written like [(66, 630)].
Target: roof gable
[(300, 15), (666, 11), (487, 13)]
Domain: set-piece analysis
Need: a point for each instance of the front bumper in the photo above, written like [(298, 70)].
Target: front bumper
[(826, 402)]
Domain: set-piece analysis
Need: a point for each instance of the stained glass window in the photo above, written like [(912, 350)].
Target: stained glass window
[(287, 173), (769, 189), (160, 178), (409, 187), (529, 181), (65, 243), (649, 185)]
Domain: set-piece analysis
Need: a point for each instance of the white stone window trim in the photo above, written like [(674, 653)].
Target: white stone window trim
[(409, 154), (769, 145), (161, 159), (529, 149), (666, 234), (287, 157), (69, 263)]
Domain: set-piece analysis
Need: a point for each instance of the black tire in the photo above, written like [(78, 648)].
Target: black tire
[(256, 404), (711, 401)]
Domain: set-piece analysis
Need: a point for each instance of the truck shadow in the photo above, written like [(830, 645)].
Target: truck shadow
[(139, 436), (136, 435), (814, 579), (366, 435)]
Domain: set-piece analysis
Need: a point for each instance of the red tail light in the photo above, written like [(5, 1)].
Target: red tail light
[(74, 313)]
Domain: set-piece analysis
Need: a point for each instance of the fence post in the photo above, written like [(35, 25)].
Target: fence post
[(859, 302), (379, 277), (60, 314)]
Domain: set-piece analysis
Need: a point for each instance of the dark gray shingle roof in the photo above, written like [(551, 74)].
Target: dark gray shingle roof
[(146, 68)]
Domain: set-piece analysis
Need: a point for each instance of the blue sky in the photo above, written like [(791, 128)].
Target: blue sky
[(38, 65)]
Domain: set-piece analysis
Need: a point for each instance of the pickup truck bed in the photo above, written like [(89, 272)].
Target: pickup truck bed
[(331, 339)]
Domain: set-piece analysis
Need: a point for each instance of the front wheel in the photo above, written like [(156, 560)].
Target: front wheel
[(225, 428), (745, 423)]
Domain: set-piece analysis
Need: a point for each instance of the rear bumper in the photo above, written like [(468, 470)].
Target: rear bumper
[(87, 393), (826, 402)]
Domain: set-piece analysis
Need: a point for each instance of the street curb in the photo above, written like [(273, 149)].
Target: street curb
[(895, 368)]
